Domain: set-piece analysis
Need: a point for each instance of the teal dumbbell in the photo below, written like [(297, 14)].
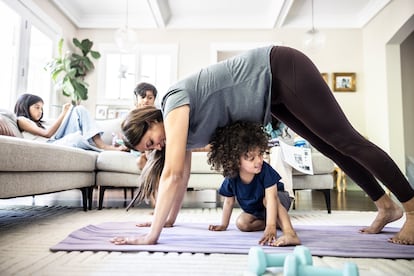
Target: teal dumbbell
[(293, 266), (259, 260)]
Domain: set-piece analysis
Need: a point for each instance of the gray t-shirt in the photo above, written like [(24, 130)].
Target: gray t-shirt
[(235, 89)]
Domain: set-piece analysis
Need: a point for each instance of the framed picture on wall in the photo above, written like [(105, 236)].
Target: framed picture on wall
[(344, 82), (325, 77)]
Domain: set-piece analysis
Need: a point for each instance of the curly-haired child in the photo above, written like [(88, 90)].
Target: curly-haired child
[(237, 151)]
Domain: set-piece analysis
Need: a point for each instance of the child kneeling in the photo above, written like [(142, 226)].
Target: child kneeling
[(237, 151)]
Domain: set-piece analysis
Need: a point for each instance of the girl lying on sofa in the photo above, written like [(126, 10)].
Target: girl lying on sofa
[(74, 127)]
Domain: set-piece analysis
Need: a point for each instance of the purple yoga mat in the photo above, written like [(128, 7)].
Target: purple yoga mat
[(337, 241)]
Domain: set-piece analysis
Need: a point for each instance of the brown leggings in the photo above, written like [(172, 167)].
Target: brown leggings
[(303, 101)]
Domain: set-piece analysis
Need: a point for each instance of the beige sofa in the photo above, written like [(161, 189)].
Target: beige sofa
[(33, 168)]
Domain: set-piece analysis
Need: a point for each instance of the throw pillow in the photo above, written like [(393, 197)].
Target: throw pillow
[(5, 128)]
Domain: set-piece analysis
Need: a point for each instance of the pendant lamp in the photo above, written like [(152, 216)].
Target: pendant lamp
[(313, 39), (126, 38)]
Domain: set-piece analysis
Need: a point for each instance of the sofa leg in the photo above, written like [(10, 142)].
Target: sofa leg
[(327, 194), (101, 196), (294, 200), (90, 197), (84, 198), (218, 200)]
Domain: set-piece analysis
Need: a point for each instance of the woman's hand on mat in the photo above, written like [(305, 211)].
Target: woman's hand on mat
[(138, 240), (217, 228)]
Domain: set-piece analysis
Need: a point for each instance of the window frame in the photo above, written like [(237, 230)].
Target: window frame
[(142, 49), (30, 15)]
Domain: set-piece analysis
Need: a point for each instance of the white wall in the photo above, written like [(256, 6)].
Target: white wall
[(343, 53), (383, 103), (407, 65)]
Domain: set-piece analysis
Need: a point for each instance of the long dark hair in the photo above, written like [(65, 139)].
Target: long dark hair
[(137, 122), (149, 178), (22, 107)]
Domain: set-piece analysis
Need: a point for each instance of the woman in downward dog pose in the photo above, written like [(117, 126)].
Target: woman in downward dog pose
[(262, 83)]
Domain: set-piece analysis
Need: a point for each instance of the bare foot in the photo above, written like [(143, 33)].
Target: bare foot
[(385, 215), (144, 224), (286, 239), (148, 224), (138, 240), (406, 234)]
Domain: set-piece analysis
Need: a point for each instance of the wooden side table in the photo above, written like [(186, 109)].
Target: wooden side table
[(340, 179)]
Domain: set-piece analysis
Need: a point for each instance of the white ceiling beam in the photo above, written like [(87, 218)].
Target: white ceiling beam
[(283, 13), (161, 12), (370, 11)]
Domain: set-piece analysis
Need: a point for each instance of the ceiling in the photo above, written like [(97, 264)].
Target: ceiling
[(220, 14)]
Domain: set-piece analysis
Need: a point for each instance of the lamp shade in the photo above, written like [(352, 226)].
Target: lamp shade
[(126, 39), (314, 40)]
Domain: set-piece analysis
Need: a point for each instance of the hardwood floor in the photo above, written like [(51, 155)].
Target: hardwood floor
[(353, 199)]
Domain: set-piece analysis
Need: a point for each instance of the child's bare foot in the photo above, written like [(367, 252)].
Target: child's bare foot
[(387, 213), (286, 239), (406, 234)]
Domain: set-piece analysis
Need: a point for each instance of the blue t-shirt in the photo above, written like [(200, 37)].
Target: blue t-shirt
[(250, 196)]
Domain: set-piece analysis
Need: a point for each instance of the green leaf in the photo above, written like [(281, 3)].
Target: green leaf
[(67, 87), (71, 73), (95, 54), (56, 74), (76, 56), (76, 43), (86, 46), (60, 46), (80, 90), (88, 64)]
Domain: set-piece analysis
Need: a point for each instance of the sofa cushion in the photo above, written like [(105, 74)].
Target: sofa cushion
[(14, 184), (5, 129), (10, 119), (199, 163), (117, 161), (109, 127), (31, 156)]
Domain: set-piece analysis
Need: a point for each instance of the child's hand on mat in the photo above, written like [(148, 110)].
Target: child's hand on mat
[(269, 236), (217, 228), (139, 240)]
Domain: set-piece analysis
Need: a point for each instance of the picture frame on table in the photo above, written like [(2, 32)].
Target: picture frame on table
[(112, 113), (101, 112), (344, 82)]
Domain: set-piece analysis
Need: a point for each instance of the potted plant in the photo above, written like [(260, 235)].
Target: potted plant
[(68, 71)]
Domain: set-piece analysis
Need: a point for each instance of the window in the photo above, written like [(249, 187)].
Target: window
[(38, 79), (156, 64), (27, 45), (8, 55), (119, 75)]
